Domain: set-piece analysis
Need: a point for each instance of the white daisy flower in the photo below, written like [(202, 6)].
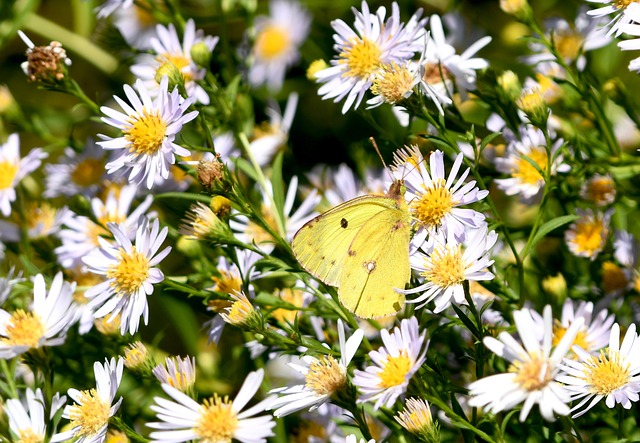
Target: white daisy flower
[(27, 421), (631, 27), (278, 38), (448, 264), (530, 378), (614, 374), (571, 40), (90, 414), (353, 438), (215, 420), (149, 128), (81, 234), (393, 83), (269, 137), (618, 9), (440, 60), (587, 236), (168, 50), (8, 282), (45, 324), (599, 189), (130, 273), (76, 173), (136, 24), (110, 6), (594, 334), (248, 231), (374, 43), (526, 181), (394, 364), (324, 376), (435, 200), (177, 373), (13, 169)]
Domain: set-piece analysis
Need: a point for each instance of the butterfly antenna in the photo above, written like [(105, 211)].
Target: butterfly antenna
[(375, 146)]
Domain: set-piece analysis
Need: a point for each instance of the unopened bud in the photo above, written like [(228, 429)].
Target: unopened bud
[(201, 54)]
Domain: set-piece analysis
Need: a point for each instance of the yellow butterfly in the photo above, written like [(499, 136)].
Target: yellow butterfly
[(362, 247)]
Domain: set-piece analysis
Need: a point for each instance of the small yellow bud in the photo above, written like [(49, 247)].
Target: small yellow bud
[(315, 67), (173, 74), (510, 85), (201, 54), (520, 9), (555, 286), (532, 103)]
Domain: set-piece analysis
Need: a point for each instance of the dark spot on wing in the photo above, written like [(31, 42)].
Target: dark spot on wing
[(398, 225), (333, 262), (351, 253), (344, 223)]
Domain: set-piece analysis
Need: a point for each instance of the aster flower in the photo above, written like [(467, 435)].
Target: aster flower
[(599, 189), (216, 419), (170, 52), (435, 200), (393, 83), (394, 364), (614, 374), (110, 6), (534, 364), (375, 43), (416, 417), (136, 24), (269, 137), (76, 173), (248, 231), (81, 234), (278, 38), (177, 373), (526, 181), (13, 169), (45, 324), (616, 8), (27, 421), (448, 264), (41, 220), (324, 376), (630, 25), (149, 128), (46, 64), (130, 273), (90, 414), (587, 236)]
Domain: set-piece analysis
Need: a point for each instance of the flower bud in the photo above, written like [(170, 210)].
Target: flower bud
[(532, 103), (201, 54), (315, 67)]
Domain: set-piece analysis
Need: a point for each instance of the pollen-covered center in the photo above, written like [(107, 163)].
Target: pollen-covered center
[(41, 217), (533, 374), (130, 272), (568, 43), (28, 436), (589, 235), (445, 267), (433, 205), (606, 373), (228, 282), (217, 422), (8, 172), (146, 134), (525, 171), (271, 42), (395, 370), (24, 329), (362, 59), (88, 172), (600, 190), (90, 415), (435, 73), (393, 83), (292, 296), (622, 4), (325, 376), (559, 331), (179, 60), (239, 312)]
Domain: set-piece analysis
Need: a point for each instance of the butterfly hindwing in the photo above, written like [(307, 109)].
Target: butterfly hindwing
[(322, 244), (377, 261)]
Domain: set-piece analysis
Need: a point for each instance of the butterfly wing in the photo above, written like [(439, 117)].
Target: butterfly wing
[(377, 261), (322, 244)]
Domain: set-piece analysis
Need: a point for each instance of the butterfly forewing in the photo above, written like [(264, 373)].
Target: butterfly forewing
[(322, 244), (377, 261)]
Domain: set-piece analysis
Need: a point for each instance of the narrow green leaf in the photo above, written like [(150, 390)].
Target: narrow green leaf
[(547, 228)]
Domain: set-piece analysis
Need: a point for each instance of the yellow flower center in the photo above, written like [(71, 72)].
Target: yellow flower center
[(114, 436), (395, 370), (445, 267), (613, 277), (240, 311), (308, 431), (271, 42), (606, 373), (326, 376), (600, 190), (91, 415), (568, 43), (292, 296), (227, 282), (622, 4), (130, 272), (362, 59), (146, 134), (28, 436), (135, 355), (525, 171), (42, 216), (416, 416), (435, 73), (24, 329), (393, 83), (88, 172), (8, 172), (218, 422), (432, 206), (180, 61), (581, 338), (589, 235), (532, 375)]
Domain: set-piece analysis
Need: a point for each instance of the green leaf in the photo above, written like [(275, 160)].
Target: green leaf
[(278, 185), (247, 168), (545, 229)]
